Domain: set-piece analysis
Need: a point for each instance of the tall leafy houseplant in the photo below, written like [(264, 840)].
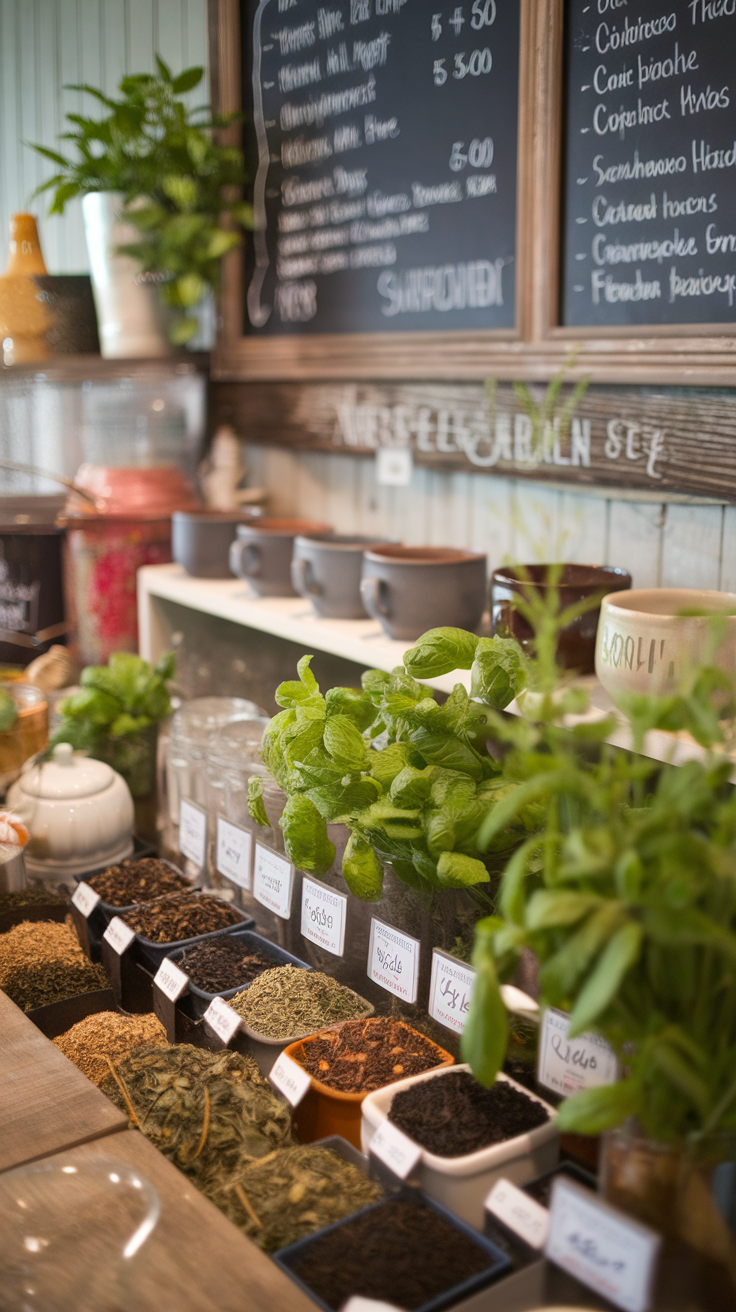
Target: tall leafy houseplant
[(179, 186)]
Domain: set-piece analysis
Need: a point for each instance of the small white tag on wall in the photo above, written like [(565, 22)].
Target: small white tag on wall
[(394, 466)]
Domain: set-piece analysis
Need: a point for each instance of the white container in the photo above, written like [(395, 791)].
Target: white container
[(131, 320), (462, 1184)]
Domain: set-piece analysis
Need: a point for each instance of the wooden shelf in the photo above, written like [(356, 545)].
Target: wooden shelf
[(93, 368)]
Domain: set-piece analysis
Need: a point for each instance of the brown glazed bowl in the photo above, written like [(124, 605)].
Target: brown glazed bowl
[(576, 642), (263, 549), (412, 589)]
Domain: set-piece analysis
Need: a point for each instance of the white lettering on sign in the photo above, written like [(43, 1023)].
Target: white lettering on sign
[(290, 1078), (396, 1150), (192, 832), (450, 990), (171, 980), (85, 899), (568, 1065), (393, 960), (119, 935), (518, 1212), (605, 1250), (233, 852), (324, 913), (222, 1019), (273, 880)]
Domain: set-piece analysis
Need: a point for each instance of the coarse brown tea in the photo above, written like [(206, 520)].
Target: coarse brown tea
[(453, 1114), (137, 881), (361, 1055), (107, 1034), (31, 897), (401, 1252), (180, 916), (42, 962), (288, 1002), (223, 963), (292, 1193)]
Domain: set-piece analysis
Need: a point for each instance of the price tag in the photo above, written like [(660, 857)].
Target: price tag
[(324, 913), (568, 1065), (222, 1019), (85, 899), (192, 832), (289, 1078), (605, 1250), (233, 852), (273, 880), (450, 990), (520, 1213), (393, 960), (396, 1150), (171, 980), (119, 935)]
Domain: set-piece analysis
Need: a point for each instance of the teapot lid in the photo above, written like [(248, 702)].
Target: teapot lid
[(67, 776)]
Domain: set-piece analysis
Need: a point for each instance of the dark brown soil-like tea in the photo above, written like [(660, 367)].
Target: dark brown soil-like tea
[(136, 881), (222, 964), (180, 915), (402, 1253), (30, 897), (361, 1055), (454, 1115)]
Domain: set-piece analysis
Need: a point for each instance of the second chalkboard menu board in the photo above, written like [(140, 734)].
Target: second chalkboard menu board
[(383, 146), (649, 233)]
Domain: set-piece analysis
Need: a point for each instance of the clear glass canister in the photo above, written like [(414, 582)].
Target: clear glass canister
[(232, 758)]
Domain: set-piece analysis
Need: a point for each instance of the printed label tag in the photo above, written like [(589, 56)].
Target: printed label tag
[(450, 990), (605, 1250), (171, 980), (222, 1019), (324, 913), (193, 832), (568, 1065), (233, 852), (393, 960), (85, 899), (396, 1150), (522, 1214), (119, 935), (357, 1303), (273, 880), (289, 1078)]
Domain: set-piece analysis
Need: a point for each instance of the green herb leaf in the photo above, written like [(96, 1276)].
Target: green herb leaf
[(549, 907), (593, 1111), (457, 871), (485, 1035), (440, 651), (361, 869), (345, 744), (603, 983), (256, 809), (305, 836), (498, 673), (8, 711)]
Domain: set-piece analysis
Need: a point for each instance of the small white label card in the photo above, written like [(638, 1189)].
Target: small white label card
[(289, 1078), (222, 1019), (119, 935), (604, 1249), (171, 980), (450, 990), (394, 466), (233, 852), (324, 913), (357, 1303), (85, 899), (192, 832), (518, 1212), (568, 1065), (273, 880), (396, 1150), (393, 960)]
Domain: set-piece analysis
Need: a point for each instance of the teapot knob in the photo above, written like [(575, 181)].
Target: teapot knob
[(63, 754)]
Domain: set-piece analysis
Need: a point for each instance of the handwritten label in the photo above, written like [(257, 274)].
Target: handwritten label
[(605, 1250), (396, 1150), (233, 852), (192, 832), (171, 980), (357, 1303), (289, 1078), (324, 913), (222, 1019), (450, 990), (85, 899), (393, 960), (119, 935), (518, 1212), (568, 1065), (273, 880)]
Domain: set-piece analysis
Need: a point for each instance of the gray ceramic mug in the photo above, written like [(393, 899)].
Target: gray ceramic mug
[(412, 589), (327, 572), (263, 549), (200, 541)]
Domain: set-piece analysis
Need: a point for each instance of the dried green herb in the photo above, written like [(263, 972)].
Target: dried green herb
[(180, 916), (107, 1034), (289, 1002), (41, 962), (137, 881)]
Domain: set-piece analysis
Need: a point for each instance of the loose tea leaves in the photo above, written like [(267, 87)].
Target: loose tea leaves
[(179, 916), (362, 1055), (222, 964), (107, 1034), (454, 1115), (31, 897), (294, 1192), (288, 1002), (42, 962), (137, 881), (403, 1253)]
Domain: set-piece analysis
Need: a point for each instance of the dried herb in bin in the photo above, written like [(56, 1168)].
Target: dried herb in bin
[(361, 1055), (223, 963), (42, 962), (137, 881), (30, 897), (455, 1115), (105, 1034), (179, 916), (288, 1002)]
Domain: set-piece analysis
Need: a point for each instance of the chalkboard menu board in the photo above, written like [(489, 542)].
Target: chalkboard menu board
[(650, 176), (383, 146)]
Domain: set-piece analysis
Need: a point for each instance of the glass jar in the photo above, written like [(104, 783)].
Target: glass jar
[(29, 732), (232, 759)]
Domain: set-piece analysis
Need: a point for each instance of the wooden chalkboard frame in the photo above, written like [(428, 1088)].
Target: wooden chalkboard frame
[(697, 355)]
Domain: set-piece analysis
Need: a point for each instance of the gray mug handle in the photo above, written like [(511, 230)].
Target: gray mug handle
[(300, 580), (370, 595), (245, 559)]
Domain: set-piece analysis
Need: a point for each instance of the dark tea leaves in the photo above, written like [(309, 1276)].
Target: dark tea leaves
[(455, 1115)]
